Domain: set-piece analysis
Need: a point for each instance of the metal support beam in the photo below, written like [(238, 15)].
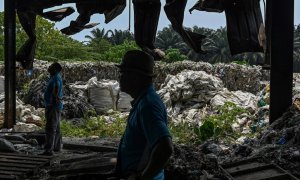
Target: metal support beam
[(280, 37), (10, 63)]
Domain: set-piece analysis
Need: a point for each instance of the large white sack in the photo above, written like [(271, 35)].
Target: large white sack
[(123, 103), (103, 94)]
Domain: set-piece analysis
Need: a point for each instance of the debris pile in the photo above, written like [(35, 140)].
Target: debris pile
[(191, 91)]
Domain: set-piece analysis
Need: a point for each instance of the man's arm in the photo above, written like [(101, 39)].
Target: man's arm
[(159, 157)]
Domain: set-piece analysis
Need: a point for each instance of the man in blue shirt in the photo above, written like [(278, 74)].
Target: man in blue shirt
[(146, 144), (53, 106)]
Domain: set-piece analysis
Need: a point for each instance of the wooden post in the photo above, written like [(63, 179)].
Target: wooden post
[(280, 37), (10, 63)]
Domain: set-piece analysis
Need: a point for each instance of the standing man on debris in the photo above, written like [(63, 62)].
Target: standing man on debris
[(146, 145), (53, 106)]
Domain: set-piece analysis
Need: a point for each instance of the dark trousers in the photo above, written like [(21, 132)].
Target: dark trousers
[(53, 135)]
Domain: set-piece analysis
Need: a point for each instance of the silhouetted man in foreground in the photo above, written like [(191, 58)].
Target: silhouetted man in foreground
[(53, 106), (146, 144)]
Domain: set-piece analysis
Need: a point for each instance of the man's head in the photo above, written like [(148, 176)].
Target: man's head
[(54, 68), (136, 71)]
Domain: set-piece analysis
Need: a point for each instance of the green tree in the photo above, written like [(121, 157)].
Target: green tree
[(116, 53), (118, 37), (167, 38), (98, 41), (173, 55), (97, 34), (217, 46), (51, 43)]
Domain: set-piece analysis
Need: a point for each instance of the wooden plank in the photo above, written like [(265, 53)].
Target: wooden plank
[(285, 172), (277, 177), (110, 154), (226, 173), (86, 176), (236, 163), (255, 169), (248, 168), (81, 158), (10, 173), (90, 147), (7, 177), (17, 165), (21, 162), (24, 170), (257, 175), (102, 167), (23, 158), (25, 155)]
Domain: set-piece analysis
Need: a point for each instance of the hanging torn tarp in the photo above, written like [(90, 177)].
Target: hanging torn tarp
[(209, 6), (243, 20), (175, 12)]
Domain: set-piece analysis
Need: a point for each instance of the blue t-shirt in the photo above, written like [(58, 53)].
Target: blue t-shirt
[(147, 123), (54, 81)]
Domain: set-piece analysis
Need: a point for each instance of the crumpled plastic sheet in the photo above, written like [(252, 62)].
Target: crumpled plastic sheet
[(191, 116), (242, 99), (24, 127), (188, 90), (162, 69), (187, 86)]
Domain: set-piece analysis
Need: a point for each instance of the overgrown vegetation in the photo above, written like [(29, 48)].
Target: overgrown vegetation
[(220, 125), (173, 55), (215, 126), (95, 126), (116, 53)]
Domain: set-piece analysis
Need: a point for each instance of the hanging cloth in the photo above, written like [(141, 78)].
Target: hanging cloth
[(175, 12), (243, 19), (209, 6)]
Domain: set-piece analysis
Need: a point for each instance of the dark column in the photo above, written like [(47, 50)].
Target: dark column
[(10, 63), (280, 52)]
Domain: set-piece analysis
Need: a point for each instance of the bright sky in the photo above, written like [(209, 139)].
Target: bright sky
[(201, 19)]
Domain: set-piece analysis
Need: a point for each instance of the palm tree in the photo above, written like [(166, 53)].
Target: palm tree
[(204, 31), (217, 46), (98, 40), (97, 34), (167, 38), (118, 37)]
